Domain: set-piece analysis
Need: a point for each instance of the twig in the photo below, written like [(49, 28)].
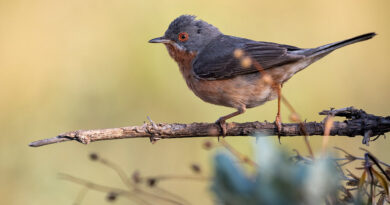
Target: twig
[(81, 196), (349, 157), (93, 186), (119, 171), (132, 195), (239, 156), (295, 118), (358, 123), (180, 177)]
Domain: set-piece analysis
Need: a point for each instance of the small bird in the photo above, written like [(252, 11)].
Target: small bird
[(214, 68)]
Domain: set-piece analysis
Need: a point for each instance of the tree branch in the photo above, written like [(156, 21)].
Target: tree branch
[(358, 123)]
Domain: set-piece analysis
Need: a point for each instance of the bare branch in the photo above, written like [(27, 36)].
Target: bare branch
[(358, 123)]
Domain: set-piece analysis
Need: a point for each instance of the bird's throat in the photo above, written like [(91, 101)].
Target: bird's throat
[(184, 60)]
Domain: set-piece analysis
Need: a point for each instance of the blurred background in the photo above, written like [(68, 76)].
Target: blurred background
[(68, 65)]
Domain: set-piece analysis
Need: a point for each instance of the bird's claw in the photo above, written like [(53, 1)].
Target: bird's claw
[(222, 124), (278, 123)]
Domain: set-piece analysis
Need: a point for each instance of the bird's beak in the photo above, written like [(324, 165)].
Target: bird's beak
[(159, 40)]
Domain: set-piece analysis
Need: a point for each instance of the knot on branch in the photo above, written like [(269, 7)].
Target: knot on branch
[(153, 130), (79, 135)]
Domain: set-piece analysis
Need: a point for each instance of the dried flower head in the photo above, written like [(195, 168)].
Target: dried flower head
[(267, 79), (152, 182), (246, 62), (136, 177), (196, 168), (112, 196), (294, 117), (94, 156), (238, 53), (207, 145)]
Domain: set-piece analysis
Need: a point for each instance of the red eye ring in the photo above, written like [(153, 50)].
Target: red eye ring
[(183, 36)]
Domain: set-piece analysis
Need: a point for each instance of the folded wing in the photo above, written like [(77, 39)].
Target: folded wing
[(217, 61)]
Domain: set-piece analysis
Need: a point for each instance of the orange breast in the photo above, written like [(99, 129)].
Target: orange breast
[(248, 90)]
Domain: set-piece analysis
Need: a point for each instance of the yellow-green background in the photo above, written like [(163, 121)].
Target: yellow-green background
[(68, 65)]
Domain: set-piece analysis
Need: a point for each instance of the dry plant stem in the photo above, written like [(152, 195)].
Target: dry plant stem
[(156, 196), (132, 195), (325, 138), (361, 158), (357, 125), (181, 177), (119, 171), (240, 156), (132, 186), (81, 196), (165, 192), (93, 186), (301, 125)]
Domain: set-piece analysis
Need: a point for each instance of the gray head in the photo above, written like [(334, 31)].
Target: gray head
[(187, 33)]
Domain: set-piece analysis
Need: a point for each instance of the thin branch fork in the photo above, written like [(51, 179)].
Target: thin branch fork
[(357, 122)]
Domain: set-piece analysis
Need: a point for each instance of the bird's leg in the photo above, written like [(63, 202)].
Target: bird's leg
[(278, 120), (222, 120)]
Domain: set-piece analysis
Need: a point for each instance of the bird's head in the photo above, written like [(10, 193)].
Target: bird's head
[(186, 33)]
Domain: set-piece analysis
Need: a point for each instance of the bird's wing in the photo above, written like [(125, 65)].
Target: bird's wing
[(217, 61)]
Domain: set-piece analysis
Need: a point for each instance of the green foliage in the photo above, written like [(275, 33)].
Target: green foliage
[(278, 179)]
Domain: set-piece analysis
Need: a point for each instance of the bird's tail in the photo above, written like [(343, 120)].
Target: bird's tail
[(326, 49)]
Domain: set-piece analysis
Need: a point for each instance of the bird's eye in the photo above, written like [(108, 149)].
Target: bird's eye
[(183, 36)]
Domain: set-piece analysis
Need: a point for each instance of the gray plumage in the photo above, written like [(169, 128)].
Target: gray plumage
[(216, 60), (200, 32)]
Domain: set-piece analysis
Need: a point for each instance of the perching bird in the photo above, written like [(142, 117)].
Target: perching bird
[(211, 70)]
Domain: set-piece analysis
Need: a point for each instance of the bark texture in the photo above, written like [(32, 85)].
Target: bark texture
[(357, 122)]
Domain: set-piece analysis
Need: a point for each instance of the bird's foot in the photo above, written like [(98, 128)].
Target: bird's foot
[(278, 123), (222, 124)]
